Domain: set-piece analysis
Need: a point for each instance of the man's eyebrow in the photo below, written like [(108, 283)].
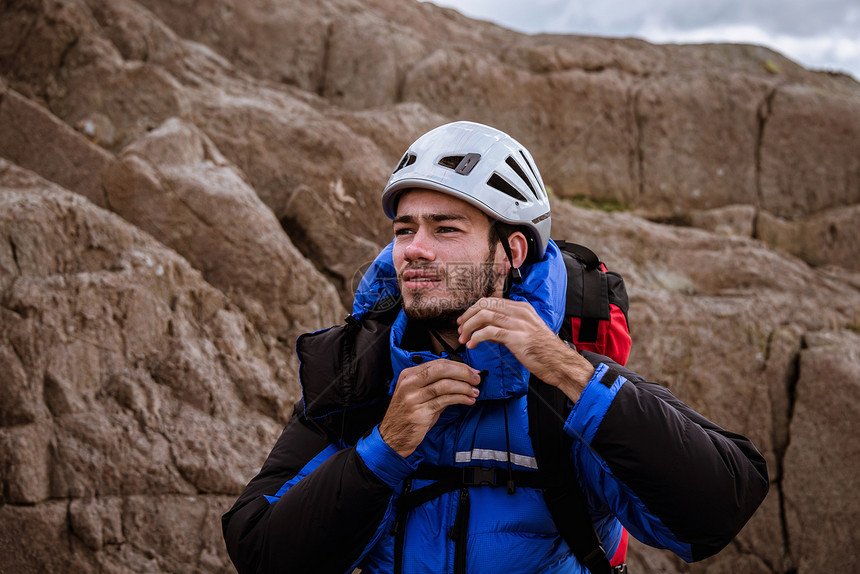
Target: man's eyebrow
[(432, 217)]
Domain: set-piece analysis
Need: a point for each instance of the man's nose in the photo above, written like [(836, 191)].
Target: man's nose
[(420, 247)]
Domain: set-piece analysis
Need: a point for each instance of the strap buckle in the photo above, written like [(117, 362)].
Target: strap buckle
[(480, 476)]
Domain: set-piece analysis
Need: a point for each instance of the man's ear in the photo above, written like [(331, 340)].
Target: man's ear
[(519, 248)]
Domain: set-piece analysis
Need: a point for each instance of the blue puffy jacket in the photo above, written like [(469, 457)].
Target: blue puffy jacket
[(326, 498)]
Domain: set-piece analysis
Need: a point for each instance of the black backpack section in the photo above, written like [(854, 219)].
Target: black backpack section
[(591, 293), (548, 410)]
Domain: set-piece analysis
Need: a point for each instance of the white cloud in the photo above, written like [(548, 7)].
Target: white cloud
[(820, 35), (816, 52)]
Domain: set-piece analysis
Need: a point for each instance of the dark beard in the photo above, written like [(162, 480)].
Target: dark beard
[(478, 282)]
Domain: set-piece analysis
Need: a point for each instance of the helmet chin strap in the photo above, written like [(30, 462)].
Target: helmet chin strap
[(515, 274)]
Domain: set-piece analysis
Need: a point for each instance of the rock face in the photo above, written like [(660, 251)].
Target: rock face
[(120, 365), (183, 193)]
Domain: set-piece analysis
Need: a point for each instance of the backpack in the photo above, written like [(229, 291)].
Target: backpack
[(595, 320), (595, 312)]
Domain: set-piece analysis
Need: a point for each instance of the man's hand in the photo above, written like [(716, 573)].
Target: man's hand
[(420, 396), (517, 326)]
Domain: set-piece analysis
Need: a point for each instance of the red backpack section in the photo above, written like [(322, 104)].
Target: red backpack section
[(596, 307)]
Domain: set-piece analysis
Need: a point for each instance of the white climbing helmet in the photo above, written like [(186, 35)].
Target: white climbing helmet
[(482, 166)]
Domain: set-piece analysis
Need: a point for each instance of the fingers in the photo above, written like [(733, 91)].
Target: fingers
[(480, 305), (500, 321), (459, 396), (433, 371), (445, 387), (438, 384), (517, 326), (420, 396), (487, 332)]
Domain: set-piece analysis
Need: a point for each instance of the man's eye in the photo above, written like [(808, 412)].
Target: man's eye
[(402, 231), (448, 230)]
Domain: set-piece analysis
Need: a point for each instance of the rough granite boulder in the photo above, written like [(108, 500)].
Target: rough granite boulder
[(120, 366), (174, 184), (829, 237), (36, 139), (734, 329), (820, 496)]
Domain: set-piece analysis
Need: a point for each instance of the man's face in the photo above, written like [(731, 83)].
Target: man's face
[(443, 257)]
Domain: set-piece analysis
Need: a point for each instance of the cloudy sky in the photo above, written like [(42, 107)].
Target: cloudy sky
[(818, 34)]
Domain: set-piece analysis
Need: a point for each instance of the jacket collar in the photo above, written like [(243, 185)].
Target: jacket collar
[(544, 285)]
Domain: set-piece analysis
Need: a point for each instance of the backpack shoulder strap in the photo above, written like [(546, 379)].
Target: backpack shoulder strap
[(587, 290), (547, 412), (588, 258)]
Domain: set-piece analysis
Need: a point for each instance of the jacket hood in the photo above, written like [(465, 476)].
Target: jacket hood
[(544, 286)]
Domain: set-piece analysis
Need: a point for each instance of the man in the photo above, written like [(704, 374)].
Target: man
[(439, 379)]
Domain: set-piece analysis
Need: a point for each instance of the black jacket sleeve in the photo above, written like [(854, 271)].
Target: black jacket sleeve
[(702, 482), (324, 507)]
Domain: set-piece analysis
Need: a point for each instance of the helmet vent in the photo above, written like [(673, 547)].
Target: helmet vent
[(531, 167), (408, 159), (451, 161), (498, 182), (516, 167), (462, 164)]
